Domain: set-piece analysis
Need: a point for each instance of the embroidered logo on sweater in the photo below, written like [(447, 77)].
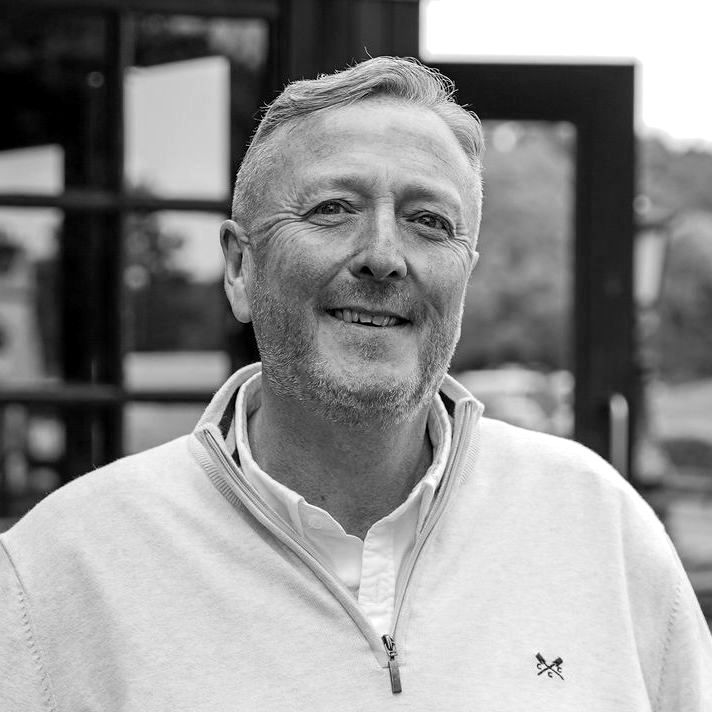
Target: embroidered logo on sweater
[(550, 669)]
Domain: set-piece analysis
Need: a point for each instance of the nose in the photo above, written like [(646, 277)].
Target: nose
[(380, 254)]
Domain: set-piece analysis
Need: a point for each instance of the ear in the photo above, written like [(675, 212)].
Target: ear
[(235, 242)]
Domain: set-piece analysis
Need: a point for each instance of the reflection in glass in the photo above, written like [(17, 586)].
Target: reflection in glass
[(177, 140), (32, 447), (173, 281), (149, 424), (47, 62), (39, 169), (191, 95), (515, 350), (28, 294)]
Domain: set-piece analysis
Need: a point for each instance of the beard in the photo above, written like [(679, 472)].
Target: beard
[(295, 370)]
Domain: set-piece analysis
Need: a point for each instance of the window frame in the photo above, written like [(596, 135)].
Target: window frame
[(92, 395)]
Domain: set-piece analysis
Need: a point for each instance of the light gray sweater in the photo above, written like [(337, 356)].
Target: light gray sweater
[(541, 581)]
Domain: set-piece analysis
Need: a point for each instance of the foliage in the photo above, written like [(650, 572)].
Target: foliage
[(680, 183), (685, 335), (165, 309), (517, 306), (674, 180), (176, 314), (151, 252)]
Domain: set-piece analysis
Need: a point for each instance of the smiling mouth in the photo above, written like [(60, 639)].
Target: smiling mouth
[(351, 316)]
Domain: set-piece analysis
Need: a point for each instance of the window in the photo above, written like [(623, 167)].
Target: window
[(116, 166)]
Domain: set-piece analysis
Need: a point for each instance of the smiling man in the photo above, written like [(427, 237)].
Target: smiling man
[(344, 530), (353, 266)]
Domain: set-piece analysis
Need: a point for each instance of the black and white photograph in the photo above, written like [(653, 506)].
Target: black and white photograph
[(355, 355)]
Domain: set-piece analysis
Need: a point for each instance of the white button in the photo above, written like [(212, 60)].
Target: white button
[(315, 522)]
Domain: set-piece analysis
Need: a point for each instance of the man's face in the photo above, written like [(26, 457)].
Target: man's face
[(359, 260)]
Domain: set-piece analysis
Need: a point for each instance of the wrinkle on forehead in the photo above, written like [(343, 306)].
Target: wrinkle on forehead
[(327, 121), (340, 141)]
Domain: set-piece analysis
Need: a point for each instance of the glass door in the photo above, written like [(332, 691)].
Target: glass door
[(516, 350)]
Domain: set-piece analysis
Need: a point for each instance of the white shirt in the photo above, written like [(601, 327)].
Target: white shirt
[(369, 568)]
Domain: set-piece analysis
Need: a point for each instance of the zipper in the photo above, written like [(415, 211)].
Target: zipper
[(431, 521), (288, 536), (389, 640), (392, 652)]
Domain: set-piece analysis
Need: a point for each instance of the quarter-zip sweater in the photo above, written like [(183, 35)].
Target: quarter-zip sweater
[(368, 567), (539, 581)]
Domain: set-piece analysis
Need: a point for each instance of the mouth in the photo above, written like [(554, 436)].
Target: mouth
[(373, 319)]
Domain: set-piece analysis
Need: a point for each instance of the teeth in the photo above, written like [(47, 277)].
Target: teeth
[(354, 317)]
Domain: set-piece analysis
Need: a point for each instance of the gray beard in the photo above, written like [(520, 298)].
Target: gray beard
[(295, 371)]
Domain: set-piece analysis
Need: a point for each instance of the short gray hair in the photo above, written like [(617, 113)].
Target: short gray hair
[(404, 79)]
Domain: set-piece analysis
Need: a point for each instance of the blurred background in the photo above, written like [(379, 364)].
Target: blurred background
[(589, 315)]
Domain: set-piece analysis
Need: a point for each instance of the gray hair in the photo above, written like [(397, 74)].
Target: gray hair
[(403, 79)]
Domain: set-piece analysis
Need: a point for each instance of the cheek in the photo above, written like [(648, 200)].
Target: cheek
[(293, 264), (446, 282)]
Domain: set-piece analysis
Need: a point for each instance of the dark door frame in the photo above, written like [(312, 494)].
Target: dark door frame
[(599, 101)]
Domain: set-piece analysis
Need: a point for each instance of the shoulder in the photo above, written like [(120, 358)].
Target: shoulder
[(601, 542), (103, 527), (514, 441), (546, 460), (565, 489), (107, 500), (569, 489)]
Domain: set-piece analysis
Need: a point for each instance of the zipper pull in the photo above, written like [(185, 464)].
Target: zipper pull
[(390, 645)]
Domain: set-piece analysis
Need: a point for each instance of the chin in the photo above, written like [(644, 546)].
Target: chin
[(360, 389), (371, 373), (371, 395)]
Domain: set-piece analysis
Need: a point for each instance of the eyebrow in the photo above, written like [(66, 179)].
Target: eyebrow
[(416, 190), (422, 191)]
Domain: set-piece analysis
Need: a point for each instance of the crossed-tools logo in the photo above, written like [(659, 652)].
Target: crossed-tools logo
[(550, 669)]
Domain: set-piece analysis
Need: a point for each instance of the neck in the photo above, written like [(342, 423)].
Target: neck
[(358, 474)]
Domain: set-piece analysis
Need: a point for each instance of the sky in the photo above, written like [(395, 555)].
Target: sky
[(177, 114), (670, 43)]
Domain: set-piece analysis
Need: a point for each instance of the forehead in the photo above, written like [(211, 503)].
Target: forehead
[(369, 134)]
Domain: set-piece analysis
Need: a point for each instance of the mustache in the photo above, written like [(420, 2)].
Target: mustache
[(377, 296)]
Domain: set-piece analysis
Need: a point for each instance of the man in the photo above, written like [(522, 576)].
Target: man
[(344, 530)]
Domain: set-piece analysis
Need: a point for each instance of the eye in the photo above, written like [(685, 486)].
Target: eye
[(435, 222), (330, 207)]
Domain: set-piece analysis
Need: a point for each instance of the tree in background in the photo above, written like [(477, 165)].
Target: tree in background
[(681, 183), (685, 334), (165, 309), (517, 306)]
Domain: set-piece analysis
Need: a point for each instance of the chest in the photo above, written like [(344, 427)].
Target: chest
[(265, 637)]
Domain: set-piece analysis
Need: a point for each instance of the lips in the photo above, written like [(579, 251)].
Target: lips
[(352, 316)]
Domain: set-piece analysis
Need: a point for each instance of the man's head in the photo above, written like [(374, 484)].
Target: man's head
[(355, 220), (396, 78)]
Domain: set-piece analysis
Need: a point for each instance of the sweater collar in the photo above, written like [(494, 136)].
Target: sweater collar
[(221, 409)]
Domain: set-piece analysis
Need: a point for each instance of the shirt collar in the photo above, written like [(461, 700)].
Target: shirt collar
[(290, 504)]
